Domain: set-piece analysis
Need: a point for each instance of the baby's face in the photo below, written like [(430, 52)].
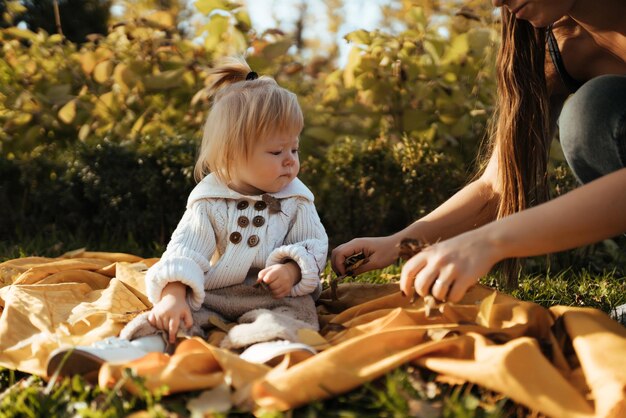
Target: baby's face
[(272, 165)]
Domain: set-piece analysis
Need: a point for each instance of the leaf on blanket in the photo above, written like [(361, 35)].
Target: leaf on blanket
[(484, 311), (309, 337), (219, 324), (216, 400), (432, 308), (439, 334)]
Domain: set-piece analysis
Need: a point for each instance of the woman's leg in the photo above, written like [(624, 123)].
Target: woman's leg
[(592, 128)]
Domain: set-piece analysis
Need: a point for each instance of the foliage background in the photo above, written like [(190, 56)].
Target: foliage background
[(99, 131)]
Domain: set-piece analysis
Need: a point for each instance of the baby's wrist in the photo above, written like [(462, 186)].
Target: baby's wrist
[(176, 289), (294, 271)]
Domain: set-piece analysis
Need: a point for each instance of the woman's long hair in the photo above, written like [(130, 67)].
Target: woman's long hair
[(520, 129)]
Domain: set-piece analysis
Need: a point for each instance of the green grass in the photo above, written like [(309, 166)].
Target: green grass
[(406, 391)]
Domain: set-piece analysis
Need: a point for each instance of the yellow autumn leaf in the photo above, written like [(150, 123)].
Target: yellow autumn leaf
[(309, 337), (87, 62), (67, 114), (162, 18), (102, 72), (207, 6), (124, 77)]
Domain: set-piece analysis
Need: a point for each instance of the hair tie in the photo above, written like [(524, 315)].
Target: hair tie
[(252, 76)]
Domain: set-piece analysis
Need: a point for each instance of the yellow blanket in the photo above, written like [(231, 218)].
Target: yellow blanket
[(562, 361)]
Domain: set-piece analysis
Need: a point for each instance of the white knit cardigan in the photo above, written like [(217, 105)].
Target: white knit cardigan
[(202, 254)]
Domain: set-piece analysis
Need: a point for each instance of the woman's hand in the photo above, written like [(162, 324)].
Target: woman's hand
[(381, 252), (172, 310), (280, 278), (449, 268)]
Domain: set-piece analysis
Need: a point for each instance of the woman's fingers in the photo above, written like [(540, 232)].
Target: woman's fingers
[(409, 271), (338, 258), (424, 280), (458, 289), (443, 283)]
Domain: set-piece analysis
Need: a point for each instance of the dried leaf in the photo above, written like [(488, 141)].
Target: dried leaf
[(272, 203), (314, 339), (431, 307), (351, 263), (409, 247)]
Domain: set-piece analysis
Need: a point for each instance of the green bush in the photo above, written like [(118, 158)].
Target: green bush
[(113, 192), (378, 186)]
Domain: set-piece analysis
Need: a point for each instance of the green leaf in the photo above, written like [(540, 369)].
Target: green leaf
[(165, 80), (458, 49), (217, 26), (20, 34), (207, 6), (360, 36), (277, 49)]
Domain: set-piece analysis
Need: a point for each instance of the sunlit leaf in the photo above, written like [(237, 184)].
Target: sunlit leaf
[(67, 113), (165, 80), (360, 36), (162, 18), (102, 72), (87, 61), (458, 49), (276, 49), (20, 34), (207, 6)]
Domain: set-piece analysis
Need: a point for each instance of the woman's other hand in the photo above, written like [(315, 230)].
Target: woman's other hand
[(446, 270), (380, 251), (172, 310)]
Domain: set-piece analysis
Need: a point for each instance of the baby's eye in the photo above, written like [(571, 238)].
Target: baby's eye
[(295, 151), (275, 152)]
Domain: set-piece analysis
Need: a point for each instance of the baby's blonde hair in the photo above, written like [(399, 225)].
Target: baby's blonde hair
[(243, 113)]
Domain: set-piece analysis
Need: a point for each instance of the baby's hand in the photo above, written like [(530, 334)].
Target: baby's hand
[(171, 310), (280, 278)]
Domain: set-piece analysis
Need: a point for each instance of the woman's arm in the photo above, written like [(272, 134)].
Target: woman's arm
[(588, 214), (471, 207), (583, 216)]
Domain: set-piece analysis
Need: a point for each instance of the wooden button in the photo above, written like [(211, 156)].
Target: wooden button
[(253, 240), (260, 205), (235, 237), (242, 204), (242, 221), (258, 221)]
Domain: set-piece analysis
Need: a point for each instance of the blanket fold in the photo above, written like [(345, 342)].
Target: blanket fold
[(561, 362)]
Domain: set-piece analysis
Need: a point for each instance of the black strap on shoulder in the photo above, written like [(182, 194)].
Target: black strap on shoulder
[(555, 55)]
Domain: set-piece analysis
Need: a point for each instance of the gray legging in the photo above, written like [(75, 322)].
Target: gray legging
[(592, 128)]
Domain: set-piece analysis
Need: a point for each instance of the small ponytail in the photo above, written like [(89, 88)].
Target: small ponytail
[(245, 109), (230, 70)]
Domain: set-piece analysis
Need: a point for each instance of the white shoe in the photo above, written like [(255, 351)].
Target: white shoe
[(266, 351), (86, 360)]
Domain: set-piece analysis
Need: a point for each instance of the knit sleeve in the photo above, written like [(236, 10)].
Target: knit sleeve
[(306, 243), (187, 256)]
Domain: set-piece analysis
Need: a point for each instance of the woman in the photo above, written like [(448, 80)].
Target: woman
[(549, 49)]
